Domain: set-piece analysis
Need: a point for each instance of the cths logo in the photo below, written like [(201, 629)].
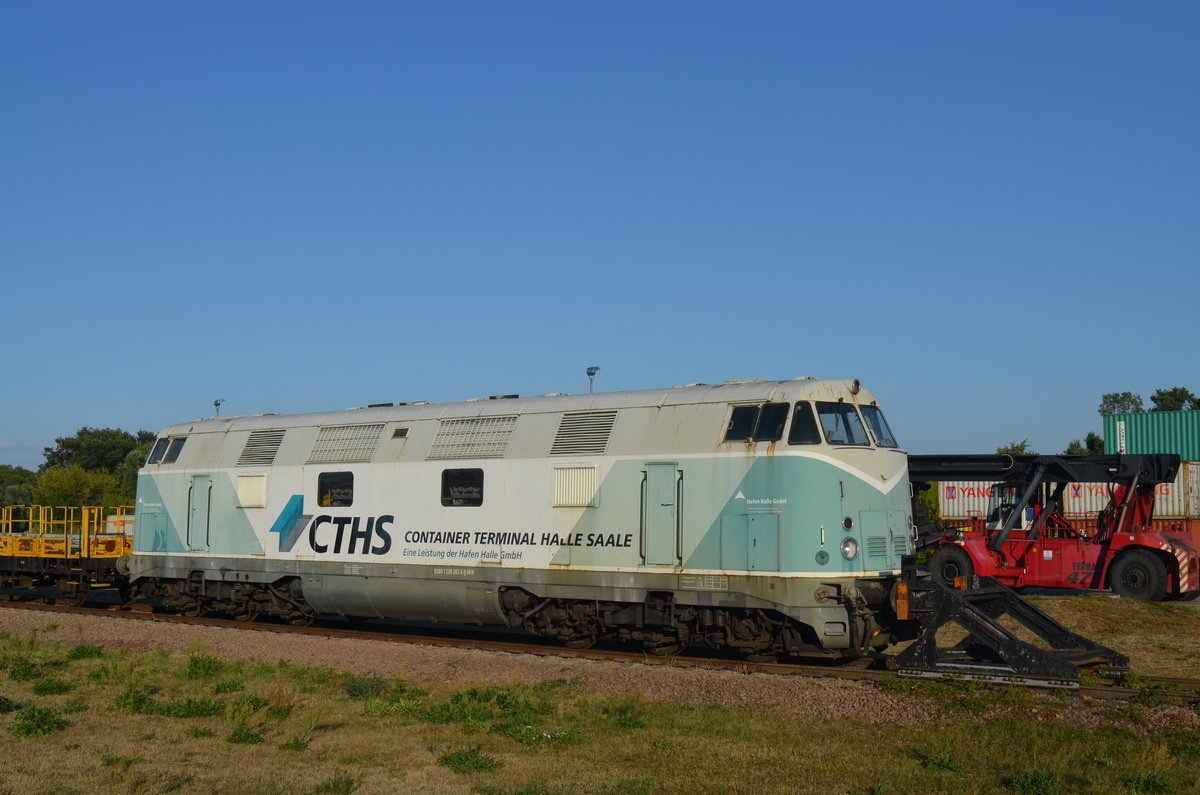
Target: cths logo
[(350, 534)]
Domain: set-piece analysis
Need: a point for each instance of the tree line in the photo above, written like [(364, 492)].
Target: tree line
[(1176, 398), (95, 466)]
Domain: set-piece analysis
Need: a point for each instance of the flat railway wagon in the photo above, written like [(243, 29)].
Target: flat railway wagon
[(766, 517), (69, 550)]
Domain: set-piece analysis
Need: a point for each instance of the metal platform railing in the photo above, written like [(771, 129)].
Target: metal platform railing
[(55, 531)]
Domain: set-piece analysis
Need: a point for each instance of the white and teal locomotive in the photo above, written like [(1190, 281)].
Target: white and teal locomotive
[(767, 517)]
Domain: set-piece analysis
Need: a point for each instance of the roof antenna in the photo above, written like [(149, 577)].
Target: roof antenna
[(591, 374), (217, 405)]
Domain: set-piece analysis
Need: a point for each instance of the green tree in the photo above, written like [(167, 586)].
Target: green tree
[(1174, 399), (15, 495), (127, 470), (1093, 444), (15, 483), (16, 476), (929, 500), (97, 449), (1016, 448), (73, 485), (1120, 403)]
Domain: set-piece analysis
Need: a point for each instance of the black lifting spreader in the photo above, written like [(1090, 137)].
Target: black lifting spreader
[(990, 651)]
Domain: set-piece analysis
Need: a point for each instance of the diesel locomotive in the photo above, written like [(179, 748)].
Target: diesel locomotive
[(765, 517)]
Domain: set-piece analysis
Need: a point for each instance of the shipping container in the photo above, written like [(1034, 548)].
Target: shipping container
[(962, 500), (1191, 481), (1154, 432), (959, 500)]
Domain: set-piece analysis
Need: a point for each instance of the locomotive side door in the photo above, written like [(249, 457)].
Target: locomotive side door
[(763, 534), (661, 522), (199, 500)]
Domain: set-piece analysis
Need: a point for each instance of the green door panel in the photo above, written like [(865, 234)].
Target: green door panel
[(763, 534), (199, 502), (660, 527), (735, 543)]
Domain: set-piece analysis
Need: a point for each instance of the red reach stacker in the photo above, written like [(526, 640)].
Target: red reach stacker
[(1025, 540)]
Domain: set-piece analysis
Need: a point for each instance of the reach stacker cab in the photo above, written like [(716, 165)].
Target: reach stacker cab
[(1025, 539)]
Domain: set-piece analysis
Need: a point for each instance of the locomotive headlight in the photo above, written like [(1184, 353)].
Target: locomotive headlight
[(849, 548)]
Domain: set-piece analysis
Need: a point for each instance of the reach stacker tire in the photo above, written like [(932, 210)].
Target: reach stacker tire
[(1139, 574), (949, 562)]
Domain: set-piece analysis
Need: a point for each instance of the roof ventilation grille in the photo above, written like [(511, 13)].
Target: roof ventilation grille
[(584, 433), (261, 447)]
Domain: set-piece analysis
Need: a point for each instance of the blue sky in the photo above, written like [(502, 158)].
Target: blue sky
[(988, 213)]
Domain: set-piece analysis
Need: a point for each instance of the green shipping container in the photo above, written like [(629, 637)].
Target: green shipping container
[(1154, 432)]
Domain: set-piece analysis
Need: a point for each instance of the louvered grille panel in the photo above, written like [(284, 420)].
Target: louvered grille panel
[(583, 433), (475, 437), (877, 547), (261, 448), (899, 545), (574, 487), (345, 444)]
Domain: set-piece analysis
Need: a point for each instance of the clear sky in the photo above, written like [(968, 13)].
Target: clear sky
[(988, 213)]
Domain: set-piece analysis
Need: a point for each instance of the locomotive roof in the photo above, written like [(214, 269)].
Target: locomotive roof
[(728, 392)]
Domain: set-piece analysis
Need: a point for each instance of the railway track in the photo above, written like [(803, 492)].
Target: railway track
[(1138, 689)]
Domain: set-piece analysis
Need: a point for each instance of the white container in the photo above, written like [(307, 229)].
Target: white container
[(959, 500)]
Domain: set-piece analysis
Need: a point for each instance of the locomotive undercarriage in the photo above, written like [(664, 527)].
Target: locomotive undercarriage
[(663, 627), (659, 624), (243, 601)]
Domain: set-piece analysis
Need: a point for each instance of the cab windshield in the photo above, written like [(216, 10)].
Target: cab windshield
[(879, 427), (841, 424)]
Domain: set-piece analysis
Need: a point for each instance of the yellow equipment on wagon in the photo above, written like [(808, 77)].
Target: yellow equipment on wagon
[(73, 548)]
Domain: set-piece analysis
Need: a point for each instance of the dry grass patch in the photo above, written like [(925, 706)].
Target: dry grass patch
[(1160, 638), (152, 722)]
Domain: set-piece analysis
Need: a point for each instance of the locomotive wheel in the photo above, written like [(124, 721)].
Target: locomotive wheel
[(949, 562), (662, 646), (1139, 574), (759, 656), (194, 610), (249, 614), (584, 642)]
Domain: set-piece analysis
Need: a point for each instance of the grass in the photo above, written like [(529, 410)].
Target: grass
[(34, 721), (469, 760), (341, 783), (1035, 782), (1158, 637), (154, 722)]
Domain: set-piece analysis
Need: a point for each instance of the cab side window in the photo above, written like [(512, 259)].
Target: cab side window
[(462, 487), (762, 423), (804, 426), (160, 449), (335, 489)]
